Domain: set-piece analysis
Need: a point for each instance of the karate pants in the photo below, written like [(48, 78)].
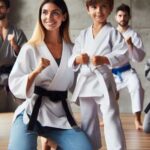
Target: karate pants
[(113, 131), (132, 82)]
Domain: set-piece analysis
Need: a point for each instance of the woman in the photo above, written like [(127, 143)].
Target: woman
[(42, 77)]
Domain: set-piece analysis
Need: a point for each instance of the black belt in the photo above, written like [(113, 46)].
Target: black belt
[(5, 69), (54, 96), (147, 108)]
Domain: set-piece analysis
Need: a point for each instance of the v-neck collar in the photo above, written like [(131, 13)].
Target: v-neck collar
[(49, 54), (99, 33), (57, 70), (6, 38)]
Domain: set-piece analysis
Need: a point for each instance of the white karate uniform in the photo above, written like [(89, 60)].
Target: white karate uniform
[(54, 77), (138, 52), (96, 85), (130, 78)]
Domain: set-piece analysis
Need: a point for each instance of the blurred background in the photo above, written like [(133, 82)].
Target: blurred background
[(24, 15)]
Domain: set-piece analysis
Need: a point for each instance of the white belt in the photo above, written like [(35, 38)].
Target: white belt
[(82, 79)]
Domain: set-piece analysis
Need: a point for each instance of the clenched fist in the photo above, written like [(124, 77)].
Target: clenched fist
[(82, 59), (99, 60), (129, 42), (43, 63), (11, 38)]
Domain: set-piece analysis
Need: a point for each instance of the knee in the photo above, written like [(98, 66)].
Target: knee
[(83, 142)]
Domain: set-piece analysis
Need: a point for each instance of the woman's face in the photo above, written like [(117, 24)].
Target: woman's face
[(51, 17)]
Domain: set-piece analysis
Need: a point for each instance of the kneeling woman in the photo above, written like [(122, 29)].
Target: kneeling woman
[(42, 77)]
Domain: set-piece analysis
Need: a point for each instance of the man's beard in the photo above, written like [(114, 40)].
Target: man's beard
[(123, 23), (2, 16)]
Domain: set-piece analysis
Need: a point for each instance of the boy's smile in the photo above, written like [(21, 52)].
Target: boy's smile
[(99, 12)]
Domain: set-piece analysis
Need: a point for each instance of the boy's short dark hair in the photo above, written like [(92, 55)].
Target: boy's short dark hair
[(124, 8), (93, 2), (6, 2)]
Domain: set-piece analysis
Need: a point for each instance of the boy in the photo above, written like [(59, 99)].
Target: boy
[(98, 48)]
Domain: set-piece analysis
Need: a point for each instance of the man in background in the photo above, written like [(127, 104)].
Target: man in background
[(11, 40), (126, 76)]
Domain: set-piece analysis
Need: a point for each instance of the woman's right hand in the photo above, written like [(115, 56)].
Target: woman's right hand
[(43, 63)]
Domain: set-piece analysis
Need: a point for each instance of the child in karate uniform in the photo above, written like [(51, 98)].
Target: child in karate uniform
[(97, 49)]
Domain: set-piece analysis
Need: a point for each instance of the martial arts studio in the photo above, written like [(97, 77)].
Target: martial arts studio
[(23, 14)]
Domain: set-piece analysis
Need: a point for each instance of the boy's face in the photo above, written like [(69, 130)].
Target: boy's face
[(122, 18), (100, 11), (3, 11)]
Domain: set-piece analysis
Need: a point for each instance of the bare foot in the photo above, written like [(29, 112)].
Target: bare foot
[(138, 125)]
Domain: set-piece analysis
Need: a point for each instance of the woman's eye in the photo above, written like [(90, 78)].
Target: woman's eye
[(44, 12), (56, 13)]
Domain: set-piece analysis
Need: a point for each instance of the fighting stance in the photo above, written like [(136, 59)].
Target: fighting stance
[(98, 48), (11, 40), (126, 75), (41, 66)]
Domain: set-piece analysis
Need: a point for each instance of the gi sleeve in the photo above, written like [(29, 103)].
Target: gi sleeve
[(77, 49), (119, 54), (137, 54), (19, 75)]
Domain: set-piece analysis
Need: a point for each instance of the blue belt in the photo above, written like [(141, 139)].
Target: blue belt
[(118, 71)]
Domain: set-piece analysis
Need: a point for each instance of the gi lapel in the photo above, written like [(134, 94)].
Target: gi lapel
[(61, 68), (96, 45)]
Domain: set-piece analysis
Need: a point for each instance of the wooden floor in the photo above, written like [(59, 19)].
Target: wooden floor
[(135, 140)]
